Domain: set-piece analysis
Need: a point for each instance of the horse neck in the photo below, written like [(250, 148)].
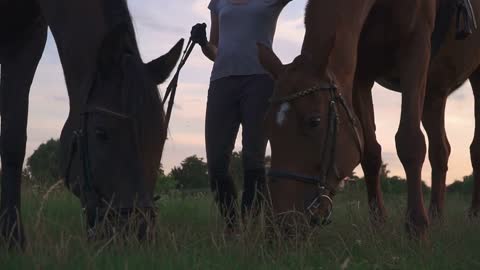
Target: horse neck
[(78, 28), (332, 35), (80, 37)]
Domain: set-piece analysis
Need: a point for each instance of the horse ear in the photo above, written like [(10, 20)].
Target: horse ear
[(115, 44), (161, 67), (269, 60)]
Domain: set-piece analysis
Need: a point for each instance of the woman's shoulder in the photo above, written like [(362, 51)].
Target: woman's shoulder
[(214, 5)]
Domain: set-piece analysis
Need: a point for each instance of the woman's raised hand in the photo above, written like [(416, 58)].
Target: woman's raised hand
[(199, 34)]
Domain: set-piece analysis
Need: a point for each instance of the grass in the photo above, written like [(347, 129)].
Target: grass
[(189, 236)]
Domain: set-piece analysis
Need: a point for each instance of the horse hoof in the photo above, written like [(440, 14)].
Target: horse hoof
[(378, 216), (417, 226), (435, 214)]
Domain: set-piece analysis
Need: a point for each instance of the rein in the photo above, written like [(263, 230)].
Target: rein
[(172, 86), (329, 151)]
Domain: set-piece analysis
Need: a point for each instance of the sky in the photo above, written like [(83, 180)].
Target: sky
[(160, 23)]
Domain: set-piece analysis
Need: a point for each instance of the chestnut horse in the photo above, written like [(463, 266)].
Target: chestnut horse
[(321, 120), (113, 138)]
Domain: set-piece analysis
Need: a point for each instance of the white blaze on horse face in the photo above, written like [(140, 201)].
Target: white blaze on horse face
[(282, 113)]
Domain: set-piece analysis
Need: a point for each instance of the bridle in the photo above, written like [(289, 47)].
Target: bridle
[(329, 150)]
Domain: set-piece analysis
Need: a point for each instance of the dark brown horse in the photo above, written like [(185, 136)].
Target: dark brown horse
[(113, 138), (321, 121)]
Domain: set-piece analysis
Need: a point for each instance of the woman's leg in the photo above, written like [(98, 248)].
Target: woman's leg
[(256, 91), (221, 128)]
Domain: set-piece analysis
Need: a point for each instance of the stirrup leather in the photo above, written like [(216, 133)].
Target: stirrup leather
[(466, 21)]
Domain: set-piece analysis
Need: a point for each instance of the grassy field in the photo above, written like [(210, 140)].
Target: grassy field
[(189, 237)]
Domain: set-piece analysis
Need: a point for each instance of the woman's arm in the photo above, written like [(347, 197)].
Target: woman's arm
[(210, 48)]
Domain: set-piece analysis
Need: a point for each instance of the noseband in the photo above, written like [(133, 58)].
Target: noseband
[(329, 151)]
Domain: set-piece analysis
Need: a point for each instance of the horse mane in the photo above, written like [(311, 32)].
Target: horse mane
[(139, 95), (308, 14), (117, 12)]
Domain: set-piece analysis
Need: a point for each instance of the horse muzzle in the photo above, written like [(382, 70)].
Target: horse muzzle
[(105, 221)]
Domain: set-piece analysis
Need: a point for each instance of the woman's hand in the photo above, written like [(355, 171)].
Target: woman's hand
[(199, 34)]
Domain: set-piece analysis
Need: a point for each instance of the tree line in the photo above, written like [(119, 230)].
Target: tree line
[(43, 168)]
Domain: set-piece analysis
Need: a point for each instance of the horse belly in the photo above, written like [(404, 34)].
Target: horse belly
[(380, 44), (377, 57)]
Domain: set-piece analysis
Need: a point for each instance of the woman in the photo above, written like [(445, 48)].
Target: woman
[(238, 95)]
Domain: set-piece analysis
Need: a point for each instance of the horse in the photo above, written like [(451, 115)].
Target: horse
[(321, 120), (113, 138)]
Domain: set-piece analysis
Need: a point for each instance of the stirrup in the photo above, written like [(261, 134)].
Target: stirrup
[(466, 21)]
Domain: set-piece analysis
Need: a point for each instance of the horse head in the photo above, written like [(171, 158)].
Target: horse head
[(115, 152), (310, 126)]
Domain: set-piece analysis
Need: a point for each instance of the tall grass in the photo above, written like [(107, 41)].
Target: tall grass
[(189, 236)]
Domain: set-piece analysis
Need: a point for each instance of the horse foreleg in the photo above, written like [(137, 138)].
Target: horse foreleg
[(372, 156), (19, 63), (438, 150), (410, 141), (475, 146)]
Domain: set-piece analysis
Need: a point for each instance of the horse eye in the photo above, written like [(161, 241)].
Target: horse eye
[(314, 122), (101, 134)]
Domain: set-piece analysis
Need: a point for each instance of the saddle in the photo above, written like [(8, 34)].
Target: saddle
[(465, 21)]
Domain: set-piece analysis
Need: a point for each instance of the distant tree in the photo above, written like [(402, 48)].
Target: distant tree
[(191, 174), (389, 184), (464, 187), (161, 171), (384, 172), (26, 177), (165, 183), (43, 165)]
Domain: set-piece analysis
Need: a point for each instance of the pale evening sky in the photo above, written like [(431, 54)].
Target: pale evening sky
[(160, 23)]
